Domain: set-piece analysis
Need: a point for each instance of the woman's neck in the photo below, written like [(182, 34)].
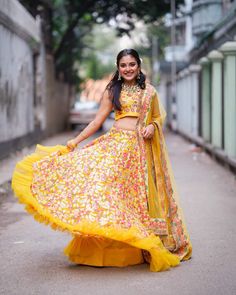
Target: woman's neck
[(130, 83)]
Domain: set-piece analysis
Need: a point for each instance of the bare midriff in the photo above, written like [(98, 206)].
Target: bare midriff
[(128, 123)]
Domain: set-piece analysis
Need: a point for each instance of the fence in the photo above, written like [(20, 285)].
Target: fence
[(206, 102)]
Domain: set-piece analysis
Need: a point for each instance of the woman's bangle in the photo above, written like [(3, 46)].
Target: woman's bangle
[(72, 145), (153, 124)]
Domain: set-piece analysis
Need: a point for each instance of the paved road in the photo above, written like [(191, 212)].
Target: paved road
[(31, 254)]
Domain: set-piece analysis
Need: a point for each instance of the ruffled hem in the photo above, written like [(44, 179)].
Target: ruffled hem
[(161, 258), (99, 251)]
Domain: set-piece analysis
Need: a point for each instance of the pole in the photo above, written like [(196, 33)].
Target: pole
[(173, 69), (154, 60)]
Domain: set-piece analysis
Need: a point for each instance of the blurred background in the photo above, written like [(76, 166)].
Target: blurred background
[(57, 56)]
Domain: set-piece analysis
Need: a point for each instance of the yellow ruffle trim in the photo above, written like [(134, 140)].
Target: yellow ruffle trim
[(161, 258), (100, 251)]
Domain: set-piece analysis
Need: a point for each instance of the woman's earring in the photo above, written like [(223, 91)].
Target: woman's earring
[(119, 76), (139, 76)]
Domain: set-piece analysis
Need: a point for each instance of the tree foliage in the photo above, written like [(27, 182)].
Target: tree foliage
[(72, 20)]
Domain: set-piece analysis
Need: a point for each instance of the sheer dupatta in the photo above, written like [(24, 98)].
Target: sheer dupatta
[(162, 194)]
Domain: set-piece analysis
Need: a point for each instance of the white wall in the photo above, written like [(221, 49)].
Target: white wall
[(17, 28), (33, 102)]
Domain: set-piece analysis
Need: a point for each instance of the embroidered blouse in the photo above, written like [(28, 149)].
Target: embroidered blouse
[(130, 104)]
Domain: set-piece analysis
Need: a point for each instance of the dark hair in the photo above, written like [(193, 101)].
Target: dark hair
[(114, 86)]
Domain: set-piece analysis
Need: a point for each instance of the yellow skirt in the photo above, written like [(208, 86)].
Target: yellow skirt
[(98, 194)]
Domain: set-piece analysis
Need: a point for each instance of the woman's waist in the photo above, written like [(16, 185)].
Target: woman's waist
[(128, 123)]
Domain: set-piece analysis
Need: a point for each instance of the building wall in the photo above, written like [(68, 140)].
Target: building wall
[(17, 30), (33, 103), (17, 92), (206, 86), (209, 101)]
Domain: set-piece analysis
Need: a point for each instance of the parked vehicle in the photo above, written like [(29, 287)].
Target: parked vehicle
[(82, 114), (112, 115)]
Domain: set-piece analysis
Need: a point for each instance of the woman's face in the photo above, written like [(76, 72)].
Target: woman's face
[(128, 68)]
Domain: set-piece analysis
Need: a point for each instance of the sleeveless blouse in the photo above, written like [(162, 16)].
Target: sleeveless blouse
[(130, 104)]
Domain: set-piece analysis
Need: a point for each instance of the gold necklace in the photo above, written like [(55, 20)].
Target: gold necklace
[(131, 88)]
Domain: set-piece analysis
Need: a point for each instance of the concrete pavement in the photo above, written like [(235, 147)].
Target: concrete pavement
[(31, 254)]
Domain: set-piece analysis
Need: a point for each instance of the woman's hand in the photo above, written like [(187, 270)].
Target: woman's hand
[(148, 131), (71, 144)]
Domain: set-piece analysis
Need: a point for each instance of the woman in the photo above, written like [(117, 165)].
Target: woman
[(116, 195)]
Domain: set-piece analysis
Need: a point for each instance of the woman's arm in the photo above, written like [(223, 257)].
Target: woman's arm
[(103, 112), (148, 131)]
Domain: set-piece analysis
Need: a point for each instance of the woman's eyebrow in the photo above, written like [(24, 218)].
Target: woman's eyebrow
[(132, 62)]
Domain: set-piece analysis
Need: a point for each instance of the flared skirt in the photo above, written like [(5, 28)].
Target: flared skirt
[(98, 193)]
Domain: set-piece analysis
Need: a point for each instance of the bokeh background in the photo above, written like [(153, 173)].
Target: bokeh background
[(53, 53), (57, 56)]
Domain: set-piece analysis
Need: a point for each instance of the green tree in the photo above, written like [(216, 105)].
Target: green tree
[(71, 21)]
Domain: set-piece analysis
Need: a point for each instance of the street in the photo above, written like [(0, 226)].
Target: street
[(32, 261)]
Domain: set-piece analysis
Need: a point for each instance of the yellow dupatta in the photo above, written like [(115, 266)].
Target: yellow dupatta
[(162, 194)]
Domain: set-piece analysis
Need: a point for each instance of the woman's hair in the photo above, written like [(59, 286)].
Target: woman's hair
[(114, 86)]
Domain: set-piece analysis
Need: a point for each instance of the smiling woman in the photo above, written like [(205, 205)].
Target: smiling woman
[(129, 69), (117, 194)]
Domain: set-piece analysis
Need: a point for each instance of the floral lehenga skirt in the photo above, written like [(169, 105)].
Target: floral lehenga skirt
[(98, 194)]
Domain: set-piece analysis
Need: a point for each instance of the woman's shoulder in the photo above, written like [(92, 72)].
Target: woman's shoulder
[(151, 88)]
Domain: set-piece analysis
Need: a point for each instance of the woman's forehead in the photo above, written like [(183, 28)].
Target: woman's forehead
[(127, 59)]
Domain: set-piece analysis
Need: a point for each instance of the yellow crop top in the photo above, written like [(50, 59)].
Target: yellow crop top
[(130, 104)]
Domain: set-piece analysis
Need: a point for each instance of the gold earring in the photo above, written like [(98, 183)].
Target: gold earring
[(119, 76)]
